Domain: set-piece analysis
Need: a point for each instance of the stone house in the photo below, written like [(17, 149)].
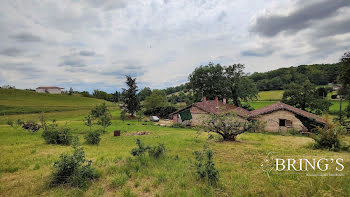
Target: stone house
[(50, 90), (196, 113), (275, 117), (282, 117)]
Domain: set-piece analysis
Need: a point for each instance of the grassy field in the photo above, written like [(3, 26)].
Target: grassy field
[(14, 101), (27, 162), (273, 95)]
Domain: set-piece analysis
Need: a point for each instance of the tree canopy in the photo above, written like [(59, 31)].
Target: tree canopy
[(156, 99), (223, 81), (305, 96)]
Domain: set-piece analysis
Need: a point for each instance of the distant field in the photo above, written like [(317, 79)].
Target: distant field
[(27, 102), (272, 95)]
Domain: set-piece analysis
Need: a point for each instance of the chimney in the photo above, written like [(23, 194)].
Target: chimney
[(217, 100), (224, 101), (204, 99)]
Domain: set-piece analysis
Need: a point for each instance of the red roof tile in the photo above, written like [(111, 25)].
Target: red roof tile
[(282, 106), (216, 107)]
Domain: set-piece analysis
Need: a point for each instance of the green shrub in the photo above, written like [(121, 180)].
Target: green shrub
[(74, 170), (205, 166), (328, 138), (153, 151), (93, 137), (177, 125), (10, 123), (156, 151), (140, 150), (31, 126), (53, 134)]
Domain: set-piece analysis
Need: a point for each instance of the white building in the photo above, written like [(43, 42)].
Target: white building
[(50, 90)]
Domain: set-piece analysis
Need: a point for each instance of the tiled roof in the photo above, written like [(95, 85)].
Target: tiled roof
[(49, 87), (282, 106), (216, 107)]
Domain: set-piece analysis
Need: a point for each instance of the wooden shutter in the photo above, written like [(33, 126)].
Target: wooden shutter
[(288, 123)]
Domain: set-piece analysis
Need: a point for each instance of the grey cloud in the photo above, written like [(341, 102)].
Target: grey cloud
[(261, 52), (26, 37), (300, 19), (87, 53), (11, 52), (333, 28), (131, 67), (108, 4), (72, 61)]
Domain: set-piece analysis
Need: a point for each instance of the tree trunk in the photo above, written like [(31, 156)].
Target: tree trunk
[(229, 137)]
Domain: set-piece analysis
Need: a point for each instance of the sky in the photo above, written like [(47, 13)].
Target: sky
[(93, 44)]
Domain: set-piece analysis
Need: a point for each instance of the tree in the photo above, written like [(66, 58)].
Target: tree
[(227, 125), (225, 82), (101, 113), (115, 97), (140, 115), (99, 94), (144, 93), (344, 77), (305, 97), (105, 120), (156, 99), (99, 110), (88, 121), (70, 91), (130, 99), (207, 81), (123, 115)]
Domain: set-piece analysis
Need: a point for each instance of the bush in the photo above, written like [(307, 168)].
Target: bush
[(93, 137), (10, 123), (153, 151), (140, 150), (205, 166), (31, 126), (177, 125), (156, 151), (57, 135), (73, 170), (328, 138)]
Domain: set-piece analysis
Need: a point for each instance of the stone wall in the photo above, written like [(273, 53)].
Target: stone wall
[(271, 121)]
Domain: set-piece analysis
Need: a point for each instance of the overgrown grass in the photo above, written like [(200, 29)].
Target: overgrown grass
[(26, 164)]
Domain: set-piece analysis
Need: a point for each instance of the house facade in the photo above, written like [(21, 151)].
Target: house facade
[(276, 117), (279, 117), (50, 90), (200, 111)]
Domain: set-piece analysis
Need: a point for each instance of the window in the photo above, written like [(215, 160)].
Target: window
[(282, 122), (285, 123)]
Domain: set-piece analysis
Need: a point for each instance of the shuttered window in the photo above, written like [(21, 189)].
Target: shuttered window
[(288, 123)]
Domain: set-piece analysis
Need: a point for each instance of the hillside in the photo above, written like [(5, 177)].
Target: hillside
[(14, 101), (318, 74)]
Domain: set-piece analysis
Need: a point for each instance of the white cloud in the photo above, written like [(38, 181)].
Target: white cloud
[(92, 44)]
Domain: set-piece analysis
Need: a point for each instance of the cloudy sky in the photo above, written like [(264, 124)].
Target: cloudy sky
[(91, 44)]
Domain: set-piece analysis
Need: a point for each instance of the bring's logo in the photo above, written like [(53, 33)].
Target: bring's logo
[(308, 166)]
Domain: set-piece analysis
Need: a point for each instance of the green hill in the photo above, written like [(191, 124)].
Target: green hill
[(14, 101)]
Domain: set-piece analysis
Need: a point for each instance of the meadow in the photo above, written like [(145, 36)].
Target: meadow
[(26, 162)]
